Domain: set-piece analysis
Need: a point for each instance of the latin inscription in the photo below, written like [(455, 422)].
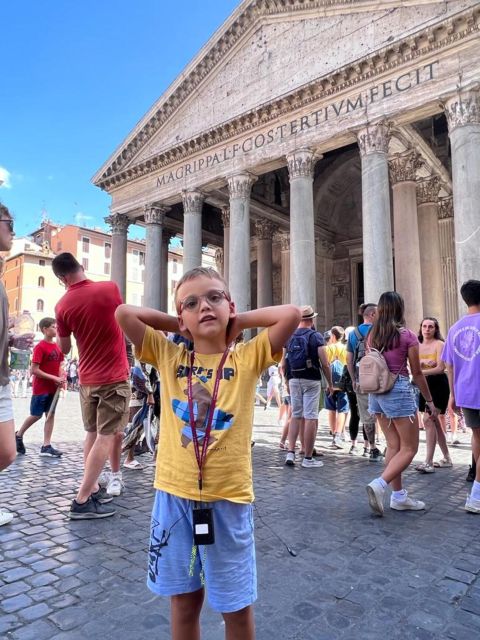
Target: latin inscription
[(377, 93)]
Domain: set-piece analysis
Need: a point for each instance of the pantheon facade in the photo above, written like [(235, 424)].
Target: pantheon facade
[(329, 150)]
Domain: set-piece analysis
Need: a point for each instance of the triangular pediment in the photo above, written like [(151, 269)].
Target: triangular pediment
[(265, 50)]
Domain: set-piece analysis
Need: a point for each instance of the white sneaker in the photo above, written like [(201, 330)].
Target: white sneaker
[(5, 517), (104, 478), (290, 459), (472, 505), (309, 463), (115, 484), (376, 493), (408, 504)]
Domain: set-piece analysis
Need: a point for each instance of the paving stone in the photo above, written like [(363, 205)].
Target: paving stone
[(9, 623), (13, 589), (11, 575), (70, 617), (35, 611), (42, 579), (38, 630), (461, 576), (10, 605)]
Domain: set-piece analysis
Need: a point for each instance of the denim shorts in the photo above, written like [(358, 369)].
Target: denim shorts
[(399, 402), (228, 564), (305, 395), (40, 404), (337, 401)]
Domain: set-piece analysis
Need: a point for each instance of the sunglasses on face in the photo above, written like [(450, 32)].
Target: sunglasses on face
[(9, 222), (214, 298)]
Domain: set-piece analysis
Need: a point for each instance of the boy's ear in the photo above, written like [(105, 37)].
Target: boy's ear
[(181, 324), (233, 310)]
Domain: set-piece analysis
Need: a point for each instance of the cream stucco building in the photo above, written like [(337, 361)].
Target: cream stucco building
[(329, 149)]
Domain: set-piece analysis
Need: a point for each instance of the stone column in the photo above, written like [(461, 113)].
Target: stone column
[(192, 229), (463, 116), (164, 282), (430, 256), (447, 251), (408, 283), (119, 223), (303, 288), (219, 261), (284, 239), (376, 225), (264, 231), (239, 187), (226, 242), (154, 266)]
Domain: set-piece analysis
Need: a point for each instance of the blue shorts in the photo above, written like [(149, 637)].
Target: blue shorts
[(399, 402), (229, 564), (41, 404), (337, 401)]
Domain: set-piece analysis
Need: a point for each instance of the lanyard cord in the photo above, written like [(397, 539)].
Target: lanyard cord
[(200, 456)]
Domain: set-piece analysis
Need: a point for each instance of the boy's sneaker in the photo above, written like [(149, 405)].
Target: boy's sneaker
[(472, 505), (353, 450), (408, 504), (20, 446), (104, 478), (376, 455), (376, 493), (90, 510), (290, 459), (49, 452), (5, 517), (308, 463), (365, 453), (471, 474), (115, 484), (102, 496)]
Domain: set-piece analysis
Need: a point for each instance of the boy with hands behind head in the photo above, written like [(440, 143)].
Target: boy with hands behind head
[(202, 526)]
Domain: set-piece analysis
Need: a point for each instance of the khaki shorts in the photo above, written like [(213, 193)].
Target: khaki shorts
[(362, 403), (105, 407)]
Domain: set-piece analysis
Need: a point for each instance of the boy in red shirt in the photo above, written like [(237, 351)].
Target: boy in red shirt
[(46, 360)]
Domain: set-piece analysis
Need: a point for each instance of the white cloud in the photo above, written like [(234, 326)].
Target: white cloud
[(5, 179), (81, 218)]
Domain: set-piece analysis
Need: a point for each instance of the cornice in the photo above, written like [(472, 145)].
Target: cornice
[(433, 38)]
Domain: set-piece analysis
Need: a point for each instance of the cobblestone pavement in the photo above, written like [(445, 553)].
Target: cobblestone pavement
[(408, 575)]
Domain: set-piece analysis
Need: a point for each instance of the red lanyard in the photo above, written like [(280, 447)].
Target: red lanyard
[(201, 455)]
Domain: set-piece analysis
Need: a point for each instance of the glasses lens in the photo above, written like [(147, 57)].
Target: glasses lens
[(214, 297), (190, 303)]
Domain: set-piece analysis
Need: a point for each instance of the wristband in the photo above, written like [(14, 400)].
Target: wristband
[(429, 401)]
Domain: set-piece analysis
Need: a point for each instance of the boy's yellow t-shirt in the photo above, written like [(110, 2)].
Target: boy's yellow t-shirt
[(227, 470)]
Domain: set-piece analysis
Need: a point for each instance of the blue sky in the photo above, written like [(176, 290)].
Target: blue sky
[(75, 79)]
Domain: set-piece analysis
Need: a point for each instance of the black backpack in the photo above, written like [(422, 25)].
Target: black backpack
[(302, 359)]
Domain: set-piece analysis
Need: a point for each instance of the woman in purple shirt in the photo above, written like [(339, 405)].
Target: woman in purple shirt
[(396, 410)]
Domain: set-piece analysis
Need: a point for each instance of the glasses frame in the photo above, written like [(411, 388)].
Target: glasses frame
[(11, 224), (225, 296)]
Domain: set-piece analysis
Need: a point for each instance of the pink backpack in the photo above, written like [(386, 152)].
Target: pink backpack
[(374, 376)]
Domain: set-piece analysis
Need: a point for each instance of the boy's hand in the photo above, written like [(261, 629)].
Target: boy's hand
[(234, 329), (58, 381)]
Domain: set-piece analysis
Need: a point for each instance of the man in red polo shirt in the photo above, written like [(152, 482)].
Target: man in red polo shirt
[(87, 311)]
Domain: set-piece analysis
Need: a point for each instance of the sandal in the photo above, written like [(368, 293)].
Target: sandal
[(425, 468), (283, 446), (134, 464), (443, 463)]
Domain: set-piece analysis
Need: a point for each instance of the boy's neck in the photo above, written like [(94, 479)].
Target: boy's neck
[(209, 347), (474, 309), (47, 339)]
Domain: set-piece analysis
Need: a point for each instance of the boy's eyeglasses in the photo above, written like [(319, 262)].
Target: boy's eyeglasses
[(215, 297), (9, 222)]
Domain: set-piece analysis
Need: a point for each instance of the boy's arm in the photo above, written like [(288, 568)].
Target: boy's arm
[(133, 321), (281, 322), (38, 373), (451, 401)]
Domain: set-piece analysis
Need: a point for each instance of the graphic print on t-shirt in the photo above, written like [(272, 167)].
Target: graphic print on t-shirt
[(466, 343), (201, 407)]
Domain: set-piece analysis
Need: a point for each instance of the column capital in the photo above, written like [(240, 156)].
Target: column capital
[(445, 208), (301, 163), (225, 213), (240, 184), (428, 190), (374, 138), (154, 213), (264, 229), (119, 223), (284, 238), (403, 166), (462, 108), (192, 201), (327, 247)]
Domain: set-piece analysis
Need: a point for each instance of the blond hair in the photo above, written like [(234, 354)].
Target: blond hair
[(198, 272)]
